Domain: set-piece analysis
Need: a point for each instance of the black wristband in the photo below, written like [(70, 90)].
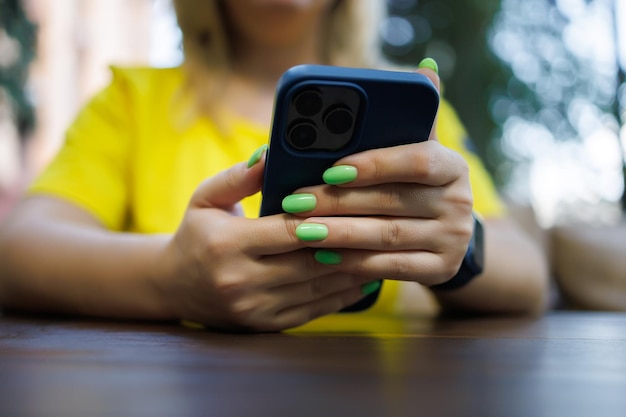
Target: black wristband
[(472, 264)]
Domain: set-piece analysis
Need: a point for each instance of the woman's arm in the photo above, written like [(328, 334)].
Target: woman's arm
[(219, 269), (56, 257), (515, 278)]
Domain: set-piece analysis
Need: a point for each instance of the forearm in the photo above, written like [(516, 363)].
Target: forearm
[(72, 265), (515, 279)]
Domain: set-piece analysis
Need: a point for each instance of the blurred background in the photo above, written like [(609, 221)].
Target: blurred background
[(539, 85)]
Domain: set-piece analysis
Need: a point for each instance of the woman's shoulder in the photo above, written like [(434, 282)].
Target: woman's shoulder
[(142, 96), (145, 79), (139, 87)]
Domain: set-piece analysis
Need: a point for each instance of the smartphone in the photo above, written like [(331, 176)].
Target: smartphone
[(323, 113)]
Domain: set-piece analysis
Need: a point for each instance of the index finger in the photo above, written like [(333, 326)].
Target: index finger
[(427, 163)]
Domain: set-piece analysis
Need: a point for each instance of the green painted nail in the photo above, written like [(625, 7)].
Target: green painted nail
[(256, 156), (299, 203), (311, 231), (328, 257), (340, 174), (429, 63), (370, 287)]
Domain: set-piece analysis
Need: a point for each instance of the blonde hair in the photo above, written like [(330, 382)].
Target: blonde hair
[(351, 40)]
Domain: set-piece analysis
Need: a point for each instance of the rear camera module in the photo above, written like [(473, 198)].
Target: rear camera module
[(338, 120), (322, 117), (302, 135), (308, 103)]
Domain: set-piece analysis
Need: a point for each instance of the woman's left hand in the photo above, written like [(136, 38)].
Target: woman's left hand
[(407, 215)]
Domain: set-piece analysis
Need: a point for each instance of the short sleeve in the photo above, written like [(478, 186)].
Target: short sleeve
[(90, 170), (452, 134)]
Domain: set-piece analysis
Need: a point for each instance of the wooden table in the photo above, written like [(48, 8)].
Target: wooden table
[(564, 364)]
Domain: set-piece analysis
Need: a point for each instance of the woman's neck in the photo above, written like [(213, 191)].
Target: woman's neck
[(256, 70), (265, 64)]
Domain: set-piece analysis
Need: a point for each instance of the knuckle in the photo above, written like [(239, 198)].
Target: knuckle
[(344, 232), (215, 245), (230, 288), (242, 311), (317, 287), (391, 235), (231, 178), (289, 226), (401, 267), (390, 195), (467, 231), (332, 199), (462, 232), (246, 313), (359, 266), (462, 202), (377, 167), (214, 248), (424, 163)]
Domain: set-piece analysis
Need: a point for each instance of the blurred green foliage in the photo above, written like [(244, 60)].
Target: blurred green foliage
[(523, 75), (470, 72), (18, 37)]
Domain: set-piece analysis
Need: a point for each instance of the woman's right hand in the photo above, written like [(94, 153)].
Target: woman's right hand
[(229, 272)]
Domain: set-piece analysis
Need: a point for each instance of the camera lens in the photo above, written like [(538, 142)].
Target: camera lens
[(338, 120), (308, 103), (302, 135)]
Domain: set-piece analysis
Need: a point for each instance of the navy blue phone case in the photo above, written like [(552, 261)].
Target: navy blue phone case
[(381, 109)]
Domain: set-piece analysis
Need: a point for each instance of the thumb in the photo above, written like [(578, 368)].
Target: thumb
[(225, 189), (430, 69)]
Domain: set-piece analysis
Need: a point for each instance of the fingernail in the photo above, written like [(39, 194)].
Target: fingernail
[(370, 287), (340, 174), (311, 231), (429, 63), (299, 203), (328, 257), (256, 156)]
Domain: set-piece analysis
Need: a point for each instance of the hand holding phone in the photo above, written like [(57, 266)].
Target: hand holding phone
[(322, 114)]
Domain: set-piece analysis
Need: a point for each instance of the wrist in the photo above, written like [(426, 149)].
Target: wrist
[(162, 274)]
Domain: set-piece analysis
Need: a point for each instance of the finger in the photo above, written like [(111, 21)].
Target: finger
[(427, 268), (230, 186), (395, 199), (298, 315), (268, 235), (385, 234), (429, 68), (262, 310), (427, 163), (316, 288), (290, 268)]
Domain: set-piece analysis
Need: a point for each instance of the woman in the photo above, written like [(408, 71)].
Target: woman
[(116, 227)]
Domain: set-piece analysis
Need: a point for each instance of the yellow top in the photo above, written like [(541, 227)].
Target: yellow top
[(128, 162)]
